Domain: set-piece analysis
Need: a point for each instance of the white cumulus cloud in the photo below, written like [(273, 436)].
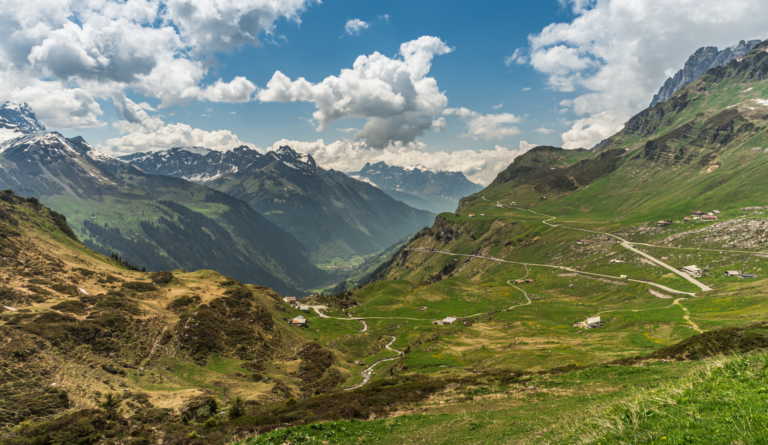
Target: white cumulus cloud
[(354, 26), (239, 90), (394, 94), (525, 146), (615, 54), (485, 126), (161, 49), (172, 135), (479, 166)]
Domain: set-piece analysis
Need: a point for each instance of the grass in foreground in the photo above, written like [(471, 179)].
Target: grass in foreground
[(719, 401)]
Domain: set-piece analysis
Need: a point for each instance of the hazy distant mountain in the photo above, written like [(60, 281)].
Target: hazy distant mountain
[(418, 186), (699, 63), (155, 221), (21, 114)]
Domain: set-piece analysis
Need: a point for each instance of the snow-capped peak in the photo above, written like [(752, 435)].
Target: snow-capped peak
[(43, 139), (22, 115), (294, 159)]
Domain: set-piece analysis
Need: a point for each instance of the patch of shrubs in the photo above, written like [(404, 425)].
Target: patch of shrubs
[(139, 286), (315, 361), (161, 278), (66, 289), (183, 302), (213, 329)]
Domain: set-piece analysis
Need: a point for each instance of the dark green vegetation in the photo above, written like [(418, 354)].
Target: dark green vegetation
[(155, 222)]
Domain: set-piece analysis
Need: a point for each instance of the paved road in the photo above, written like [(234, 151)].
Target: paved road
[(628, 245), (490, 258)]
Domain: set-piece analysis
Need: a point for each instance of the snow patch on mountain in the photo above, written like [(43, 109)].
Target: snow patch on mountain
[(9, 131), (196, 150)]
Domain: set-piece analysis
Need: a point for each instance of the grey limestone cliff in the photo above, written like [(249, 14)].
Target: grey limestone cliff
[(699, 63)]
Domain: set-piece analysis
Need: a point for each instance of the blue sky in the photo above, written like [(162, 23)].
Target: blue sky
[(457, 85), (474, 75)]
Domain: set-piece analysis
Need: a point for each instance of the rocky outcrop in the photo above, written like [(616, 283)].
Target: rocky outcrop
[(699, 63)]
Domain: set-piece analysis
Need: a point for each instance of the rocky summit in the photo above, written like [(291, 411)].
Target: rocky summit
[(699, 63), (21, 115)]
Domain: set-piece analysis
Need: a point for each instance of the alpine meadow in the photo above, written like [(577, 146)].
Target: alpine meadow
[(305, 222)]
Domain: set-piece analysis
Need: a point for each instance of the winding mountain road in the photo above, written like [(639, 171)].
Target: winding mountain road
[(628, 245), (368, 372), (490, 258)]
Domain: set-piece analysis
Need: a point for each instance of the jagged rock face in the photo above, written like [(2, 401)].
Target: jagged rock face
[(21, 114), (699, 63), (195, 164), (441, 189)]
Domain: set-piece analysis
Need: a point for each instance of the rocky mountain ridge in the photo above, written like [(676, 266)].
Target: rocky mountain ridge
[(331, 214), (196, 164), (704, 59)]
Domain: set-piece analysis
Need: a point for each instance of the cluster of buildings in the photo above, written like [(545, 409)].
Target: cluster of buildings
[(698, 215), (300, 320), (736, 273)]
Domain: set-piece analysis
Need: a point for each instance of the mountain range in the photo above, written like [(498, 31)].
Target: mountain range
[(153, 221), (331, 214), (435, 191)]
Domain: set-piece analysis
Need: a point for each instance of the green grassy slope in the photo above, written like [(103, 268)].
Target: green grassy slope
[(78, 325), (703, 148)]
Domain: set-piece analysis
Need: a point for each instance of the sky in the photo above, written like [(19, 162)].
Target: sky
[(452, 85)]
